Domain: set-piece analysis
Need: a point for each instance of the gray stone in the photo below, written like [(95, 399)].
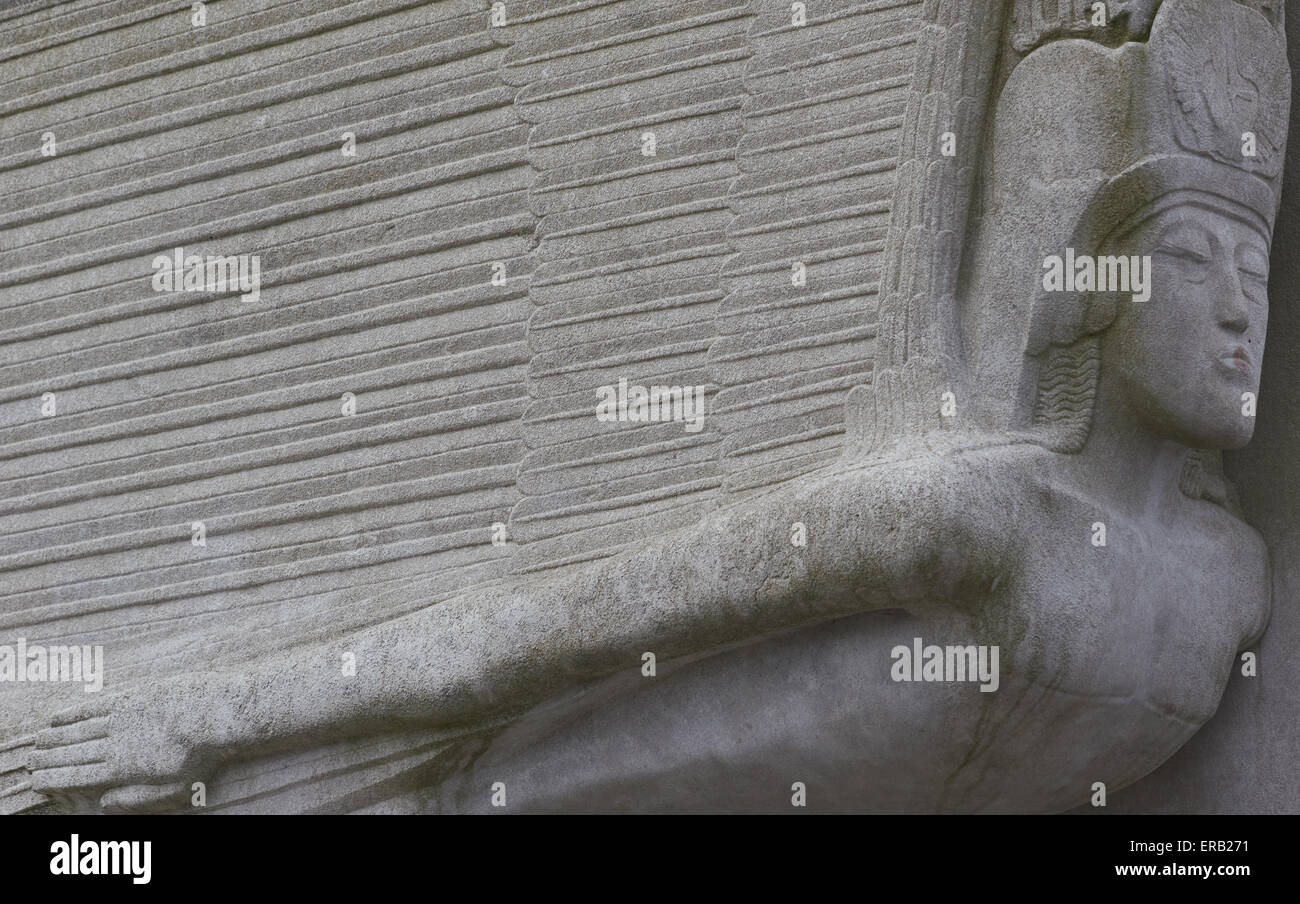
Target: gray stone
[(911, 442)]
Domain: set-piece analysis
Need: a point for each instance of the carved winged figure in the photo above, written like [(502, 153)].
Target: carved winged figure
[(775, 660)]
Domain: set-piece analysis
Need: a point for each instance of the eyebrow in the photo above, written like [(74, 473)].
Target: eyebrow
[(1185, 229)]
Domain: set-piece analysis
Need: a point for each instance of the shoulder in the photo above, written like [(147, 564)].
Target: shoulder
[(943, 484), (934, 515)]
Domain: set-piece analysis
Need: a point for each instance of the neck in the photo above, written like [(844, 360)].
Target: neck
[(1122, 463)]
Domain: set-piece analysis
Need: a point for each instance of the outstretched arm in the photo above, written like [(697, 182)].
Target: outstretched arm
[(892, 535)]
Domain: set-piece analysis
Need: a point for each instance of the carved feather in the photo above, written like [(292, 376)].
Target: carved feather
[(916, 359)]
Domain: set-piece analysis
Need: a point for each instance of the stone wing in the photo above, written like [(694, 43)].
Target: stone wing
[(917, 358)]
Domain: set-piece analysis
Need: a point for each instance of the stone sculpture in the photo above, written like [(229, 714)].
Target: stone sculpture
[(1010, 425)]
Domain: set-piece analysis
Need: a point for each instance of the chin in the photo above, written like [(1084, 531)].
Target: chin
[(1231, 444), (1215, 423), (1227, 432)]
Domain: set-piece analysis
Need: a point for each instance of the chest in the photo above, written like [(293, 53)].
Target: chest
[(1133, 611)]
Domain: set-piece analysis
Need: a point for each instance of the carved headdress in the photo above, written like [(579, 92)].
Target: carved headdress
[(1197, 112)]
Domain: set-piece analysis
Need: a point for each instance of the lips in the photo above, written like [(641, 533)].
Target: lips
[(1237, 358)]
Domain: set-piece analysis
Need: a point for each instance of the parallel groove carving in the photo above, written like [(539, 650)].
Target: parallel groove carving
[(822, 126)]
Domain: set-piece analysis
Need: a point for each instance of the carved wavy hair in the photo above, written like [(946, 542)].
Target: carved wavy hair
[(1065, 337), (1066, 393)]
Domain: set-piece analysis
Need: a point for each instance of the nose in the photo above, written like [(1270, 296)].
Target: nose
[(1232, 305)]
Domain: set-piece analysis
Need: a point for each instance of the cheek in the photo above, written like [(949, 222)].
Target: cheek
[(1257, 333), (1163, 355), (1156, 339)]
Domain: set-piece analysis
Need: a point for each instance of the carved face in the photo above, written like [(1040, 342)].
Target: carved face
[(1184, 359)]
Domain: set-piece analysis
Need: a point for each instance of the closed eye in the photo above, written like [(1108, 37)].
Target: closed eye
[(1252, 263), (1184, 253)]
